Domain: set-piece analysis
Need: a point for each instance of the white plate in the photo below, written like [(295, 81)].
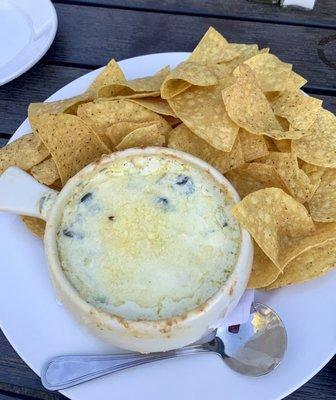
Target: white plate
[(39, 328), (27, 29)]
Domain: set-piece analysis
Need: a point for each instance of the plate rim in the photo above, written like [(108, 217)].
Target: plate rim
[(20, 71)]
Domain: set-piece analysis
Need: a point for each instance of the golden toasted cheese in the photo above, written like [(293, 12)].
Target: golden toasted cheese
[(149, 237)]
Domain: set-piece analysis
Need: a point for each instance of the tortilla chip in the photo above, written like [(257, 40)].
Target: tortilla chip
[(119, 130), (182, 138), (271, 96), (323, 233), (279, 224), (145, 86), (313, 172), (296, 181), (112, 73), (184, 75), (124, 94), (270, 143), (202, 110), (246, 51), (142, 137), (71, 143), (270, 72), (46, 172), (282, 121), (322, 205), (35, 225), (300, 110), (248, 107), (295, 81), (264, 272), (315, 262), (24, 153), (212, 49), (57, 185), (255, 176), (319, 147), (172, 121), (100, 115), (253, 146), (68, 106), (156, 104), (284, 146)]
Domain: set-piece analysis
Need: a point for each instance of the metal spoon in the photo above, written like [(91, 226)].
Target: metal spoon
[(254, 348)]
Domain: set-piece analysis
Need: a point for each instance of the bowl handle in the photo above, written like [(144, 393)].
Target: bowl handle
[(21, 194)]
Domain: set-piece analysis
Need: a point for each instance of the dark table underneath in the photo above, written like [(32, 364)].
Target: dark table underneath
[(90, 32)]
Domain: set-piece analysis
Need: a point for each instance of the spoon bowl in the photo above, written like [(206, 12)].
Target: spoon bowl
[(256, 347)]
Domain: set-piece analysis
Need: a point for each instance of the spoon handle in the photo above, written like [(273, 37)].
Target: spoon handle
[(66, 371)]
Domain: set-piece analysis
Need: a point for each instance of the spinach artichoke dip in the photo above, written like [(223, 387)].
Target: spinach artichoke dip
[(148, 237)]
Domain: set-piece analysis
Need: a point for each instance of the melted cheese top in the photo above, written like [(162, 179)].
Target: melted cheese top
[(148, 238)]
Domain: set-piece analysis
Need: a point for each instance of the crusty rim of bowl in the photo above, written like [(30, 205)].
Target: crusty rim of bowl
[(112, 320)]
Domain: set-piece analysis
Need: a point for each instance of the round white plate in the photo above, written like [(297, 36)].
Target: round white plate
[(39, 328), (27, 29)]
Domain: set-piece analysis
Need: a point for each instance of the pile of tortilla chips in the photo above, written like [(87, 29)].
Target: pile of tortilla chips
[(235, 106)]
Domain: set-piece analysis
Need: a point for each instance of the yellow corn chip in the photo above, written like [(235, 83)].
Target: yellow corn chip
[(295, 81), (271, 96), (142, 137), (68, 106), (212, 49), (156, 104), (172, 121), (101, 115), (270, 143), (112, 73), (322, 205), (71, 143), (125, 94), (253, 146), (319, 146), (119, 130), (246, 51), (271, 73), (45, 172), (181, 138), (313, 172), (296, 246), (248, 107), (300, 110), (315, 262), (282, 121), (296, 181), (35, 225), (254, 176), (24, 153), (223, 73), (145, 86), (279, 224), (284, 145), (184, 75), (57, 185), (264, 271), (202, 110)]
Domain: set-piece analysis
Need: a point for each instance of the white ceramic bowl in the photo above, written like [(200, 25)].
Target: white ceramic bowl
[(20, 193)]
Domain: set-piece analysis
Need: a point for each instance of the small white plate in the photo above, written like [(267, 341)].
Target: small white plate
[(27, 29), (39, 328)]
